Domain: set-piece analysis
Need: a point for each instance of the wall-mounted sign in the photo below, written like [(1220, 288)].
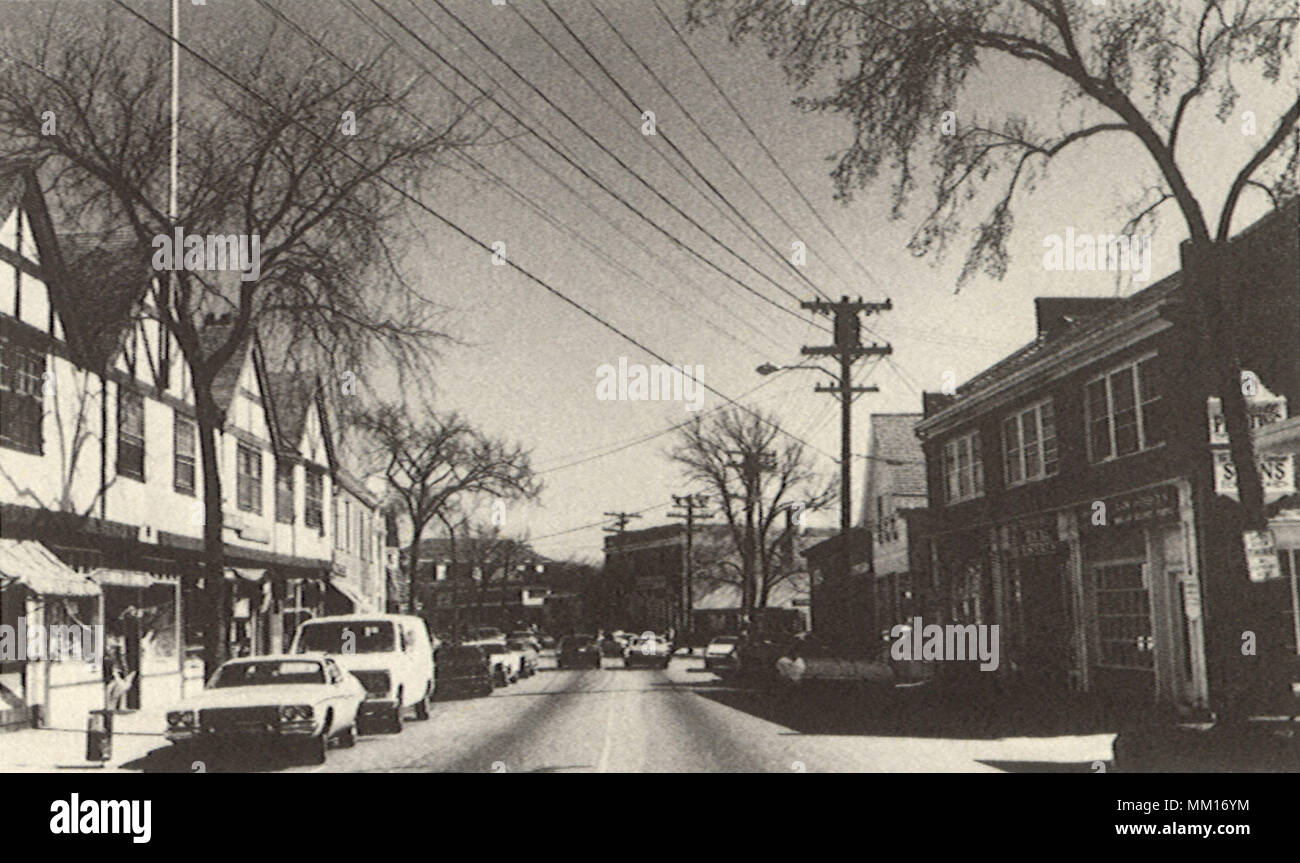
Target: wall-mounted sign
[(1262, 408), (1277, 472), (1137, 507), (1034, 536), (1261, 555)]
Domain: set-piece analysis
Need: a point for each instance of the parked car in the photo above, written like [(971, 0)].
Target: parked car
[(507, 664), (613, 646), (577, 651), (648, 650), (528, 636), (302, 700), (547, 642), (390, 654), (720, 654), (808, 659), (529, 656), (463, 670)]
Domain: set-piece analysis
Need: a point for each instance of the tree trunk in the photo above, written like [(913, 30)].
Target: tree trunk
[(413, 564), (214, 549)]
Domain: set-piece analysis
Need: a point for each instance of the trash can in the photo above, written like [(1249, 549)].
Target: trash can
[(99, 735)]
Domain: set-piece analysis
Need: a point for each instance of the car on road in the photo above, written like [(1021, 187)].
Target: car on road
[(529, 656), (528, 636), (507, 663), (614, 645), (390, 654), (811, 660), (463, 670), (302, 701), (648, 650), (720, 654), (577, 651)]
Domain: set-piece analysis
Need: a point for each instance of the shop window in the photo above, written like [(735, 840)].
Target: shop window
[(183, 467), (284, 492), (130, 433), (1127, 639), (963, 468), (22, 372), (1029, 444), (1123, 411), (248, 479)]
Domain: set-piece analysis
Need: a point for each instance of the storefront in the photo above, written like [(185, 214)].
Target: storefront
[(143, 645), (1039, 616), (1143, 639)]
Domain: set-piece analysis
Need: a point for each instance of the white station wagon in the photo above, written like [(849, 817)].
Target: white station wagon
[(302, 700)]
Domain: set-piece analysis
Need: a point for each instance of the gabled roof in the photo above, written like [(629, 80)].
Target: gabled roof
[(290, 397), (212, 335)]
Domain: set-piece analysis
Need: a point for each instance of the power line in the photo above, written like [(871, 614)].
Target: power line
[(448, 222), (664, 134), (741, 117), (642, 180)]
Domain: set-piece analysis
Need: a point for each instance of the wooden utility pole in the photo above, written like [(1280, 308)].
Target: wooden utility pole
[(751, 466), (848, 349), (693, 504), (621, 520)]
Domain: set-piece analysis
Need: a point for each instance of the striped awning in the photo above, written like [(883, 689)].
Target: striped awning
[(351, 594), (37, 567)]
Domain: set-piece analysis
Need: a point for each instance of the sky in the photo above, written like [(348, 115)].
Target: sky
[(526, 363)]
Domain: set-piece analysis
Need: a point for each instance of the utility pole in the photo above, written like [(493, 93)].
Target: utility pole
[(751, 466), (848, 349), (693, 504), (620, 526)]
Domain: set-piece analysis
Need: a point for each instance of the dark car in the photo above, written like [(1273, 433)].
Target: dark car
[(462, 671), (577, 651)]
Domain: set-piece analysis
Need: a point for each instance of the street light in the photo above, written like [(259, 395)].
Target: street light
[(768, 369)]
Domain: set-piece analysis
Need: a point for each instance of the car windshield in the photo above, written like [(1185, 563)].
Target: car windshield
[(493, 648), (347, 636), (459, 654), (726, 639), (514, 644), (268, 671)]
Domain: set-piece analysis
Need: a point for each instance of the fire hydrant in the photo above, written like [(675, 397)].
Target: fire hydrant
[(99, 735)]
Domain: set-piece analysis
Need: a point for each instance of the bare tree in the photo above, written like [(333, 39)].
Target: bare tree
[(433, 463), (305, 157), (1131, 69), (713, 453)]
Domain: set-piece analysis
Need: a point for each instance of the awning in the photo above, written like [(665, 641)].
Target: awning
[(37, 567), (351, 594), (246, 574), (128, 578)]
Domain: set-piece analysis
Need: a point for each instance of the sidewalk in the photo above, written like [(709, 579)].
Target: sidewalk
[(49, 750)]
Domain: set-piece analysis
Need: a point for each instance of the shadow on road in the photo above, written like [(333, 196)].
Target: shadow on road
[(928, 711)]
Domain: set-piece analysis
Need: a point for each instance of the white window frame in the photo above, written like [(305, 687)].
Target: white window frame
[(1018, 416), (1140, 406), (970, 444)]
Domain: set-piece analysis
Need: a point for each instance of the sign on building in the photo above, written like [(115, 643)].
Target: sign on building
[(1261, 555), (1277, 472)]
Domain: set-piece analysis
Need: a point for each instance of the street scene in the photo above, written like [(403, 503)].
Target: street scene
[(670, 386)]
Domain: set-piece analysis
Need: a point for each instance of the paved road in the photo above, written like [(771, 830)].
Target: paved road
[(679, 720)]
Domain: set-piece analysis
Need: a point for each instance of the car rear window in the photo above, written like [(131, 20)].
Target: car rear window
[(268, 673), (348, 636)]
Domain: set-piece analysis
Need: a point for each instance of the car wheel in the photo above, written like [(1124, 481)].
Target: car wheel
[(348, 737), (395, 720), (317, 748), (422, 707)]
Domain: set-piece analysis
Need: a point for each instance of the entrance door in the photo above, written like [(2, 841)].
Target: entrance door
[(1045, 622)]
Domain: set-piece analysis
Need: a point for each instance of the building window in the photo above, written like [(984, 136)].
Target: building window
[(284, 491), (963, 468), (183, 472), (1124, 617), (22, 372), (248, 478), (1029, 444), (313, 513), (1122, 411), (130, 433)]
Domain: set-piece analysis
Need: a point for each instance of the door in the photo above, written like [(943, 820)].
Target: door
[(1044, 621)]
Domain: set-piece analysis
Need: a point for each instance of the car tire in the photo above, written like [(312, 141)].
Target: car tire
[(395, 720), (422, 706), (348, 737), (317, 749)]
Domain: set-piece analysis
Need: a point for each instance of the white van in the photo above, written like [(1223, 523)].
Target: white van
[(390, 654)]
